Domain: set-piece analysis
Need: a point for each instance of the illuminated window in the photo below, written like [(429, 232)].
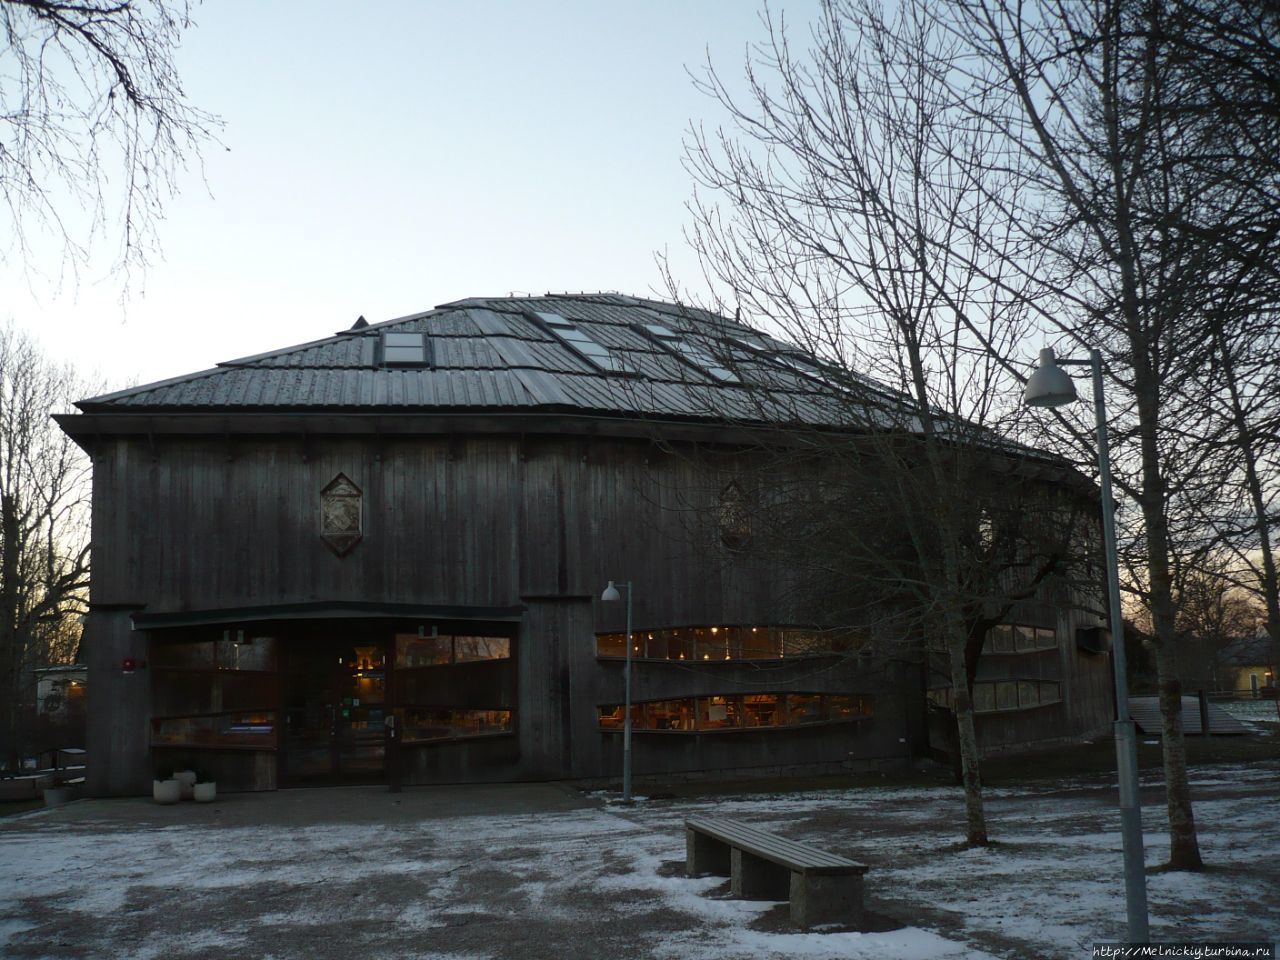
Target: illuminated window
[(720, 643), (731, 712)]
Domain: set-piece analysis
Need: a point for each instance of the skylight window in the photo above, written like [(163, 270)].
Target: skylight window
[(404, 350), (691, 353), (582, 344)]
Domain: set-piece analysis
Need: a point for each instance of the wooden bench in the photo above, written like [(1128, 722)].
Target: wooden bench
[(822, 887)]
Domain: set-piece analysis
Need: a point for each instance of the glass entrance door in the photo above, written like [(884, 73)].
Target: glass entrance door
[(334, 699), (359, 733)]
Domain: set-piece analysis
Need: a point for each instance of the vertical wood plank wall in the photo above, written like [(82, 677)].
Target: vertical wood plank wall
[(182, 524), (487, 521)]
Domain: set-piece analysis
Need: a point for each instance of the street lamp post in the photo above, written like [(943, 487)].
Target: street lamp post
[(611, 595), (1050, 386)]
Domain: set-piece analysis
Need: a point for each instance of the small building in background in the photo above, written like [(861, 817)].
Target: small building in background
[(60, 688), (1248, 666)]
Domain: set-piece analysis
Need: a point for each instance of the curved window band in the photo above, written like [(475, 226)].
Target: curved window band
[(725, 643), (749, 711)]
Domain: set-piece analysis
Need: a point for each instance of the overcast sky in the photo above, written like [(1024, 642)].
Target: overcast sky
[(384, 159)]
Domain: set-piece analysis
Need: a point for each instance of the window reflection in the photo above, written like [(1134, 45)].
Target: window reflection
[(255, 729), (995, 695), (424, 724), (217, 692), (1020, 638), (414, 651)]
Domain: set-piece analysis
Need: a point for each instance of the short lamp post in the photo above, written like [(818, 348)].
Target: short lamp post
[(611, 595), (1049, 386)]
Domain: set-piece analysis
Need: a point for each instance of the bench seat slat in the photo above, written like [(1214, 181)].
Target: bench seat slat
[(796, 856)]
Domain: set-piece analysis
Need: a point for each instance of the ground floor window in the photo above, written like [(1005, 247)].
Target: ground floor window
[(413, 650), (1020, 638), (426, 724), (322, 695), (217, 690), (736, 712), (718, 643), (992, 696)]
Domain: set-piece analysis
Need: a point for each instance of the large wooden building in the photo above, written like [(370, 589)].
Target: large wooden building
[(415, 520)]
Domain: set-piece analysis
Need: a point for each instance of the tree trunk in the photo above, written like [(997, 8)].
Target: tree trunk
[(967, 735), (1184, 848), (11, 652)]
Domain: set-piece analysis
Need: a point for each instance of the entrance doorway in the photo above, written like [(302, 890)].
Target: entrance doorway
[(334, 693)]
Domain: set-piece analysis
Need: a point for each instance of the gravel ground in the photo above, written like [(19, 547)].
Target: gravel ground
[(534, 871)]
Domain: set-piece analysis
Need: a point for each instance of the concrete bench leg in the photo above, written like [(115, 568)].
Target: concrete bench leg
[(756, 879), (816, 900), (705, 855)]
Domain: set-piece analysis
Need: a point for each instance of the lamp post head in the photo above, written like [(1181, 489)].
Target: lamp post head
[(610, 594), (1049, 385)]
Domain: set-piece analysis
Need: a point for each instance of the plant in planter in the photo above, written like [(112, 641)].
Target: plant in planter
[(165, 788), (205, 789)]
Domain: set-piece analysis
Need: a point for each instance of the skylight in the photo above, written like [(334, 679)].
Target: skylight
[(691, 352), (578, 341), (404, 349)]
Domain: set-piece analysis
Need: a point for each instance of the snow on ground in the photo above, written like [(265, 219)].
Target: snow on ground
[(1251, 711), (605, 880)]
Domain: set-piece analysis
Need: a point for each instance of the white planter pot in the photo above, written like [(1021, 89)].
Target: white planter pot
[(187, 780), (56, 796), (205, 792), (166, 791)]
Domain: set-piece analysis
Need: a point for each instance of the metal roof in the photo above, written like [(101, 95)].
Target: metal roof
[(503, 356), (499, 354)]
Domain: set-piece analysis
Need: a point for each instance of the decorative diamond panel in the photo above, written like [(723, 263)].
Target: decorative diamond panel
[(341, 518)]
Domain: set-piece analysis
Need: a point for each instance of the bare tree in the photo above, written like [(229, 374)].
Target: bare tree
[(94, 124), (44, 535), (1150, 210), (848, 204), (1244, 517), (1212, 615)]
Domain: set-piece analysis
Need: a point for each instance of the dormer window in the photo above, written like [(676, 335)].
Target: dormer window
[(404, 350)]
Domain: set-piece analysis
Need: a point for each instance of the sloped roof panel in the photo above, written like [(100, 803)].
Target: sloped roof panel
[(494, 354)]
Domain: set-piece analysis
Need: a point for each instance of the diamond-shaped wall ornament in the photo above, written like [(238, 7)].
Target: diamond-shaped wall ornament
[(341, 517), (735, 517)]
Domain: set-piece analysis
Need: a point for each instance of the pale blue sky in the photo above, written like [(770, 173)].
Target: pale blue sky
[(386, 158)]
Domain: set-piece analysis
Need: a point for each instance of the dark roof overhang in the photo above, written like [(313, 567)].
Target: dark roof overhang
[(323, 610), (88, 427), (92, 425)]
